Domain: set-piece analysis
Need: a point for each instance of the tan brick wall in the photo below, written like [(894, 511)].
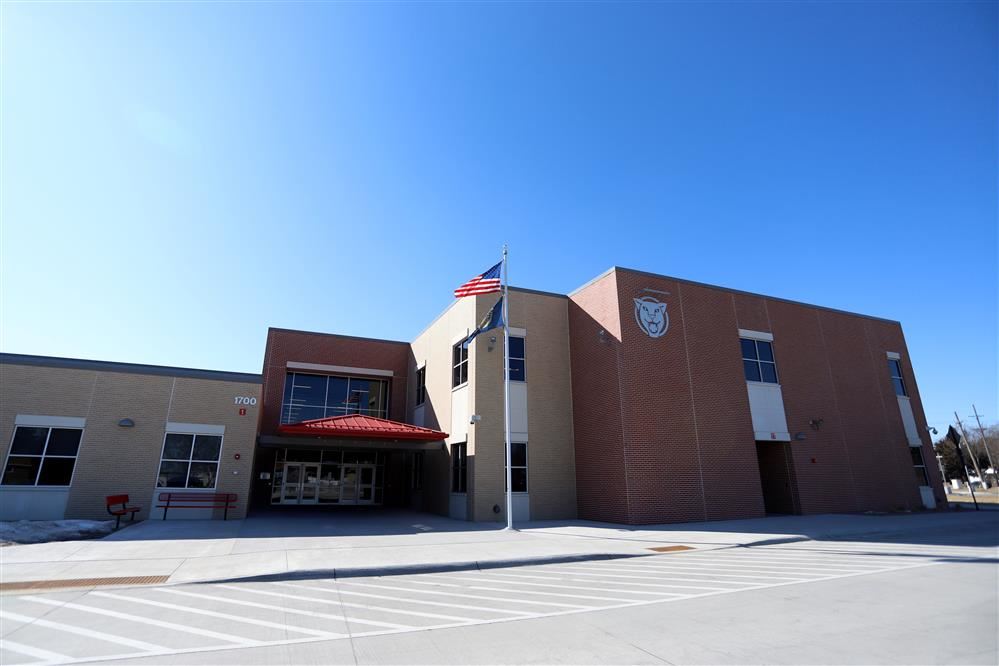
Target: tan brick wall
[(550, 450), (115, 460)]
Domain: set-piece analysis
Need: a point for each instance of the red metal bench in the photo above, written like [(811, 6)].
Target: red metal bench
[(121, 502), (197, 501)]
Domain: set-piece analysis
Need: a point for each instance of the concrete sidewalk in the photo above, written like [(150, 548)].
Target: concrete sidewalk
[(330, 544)]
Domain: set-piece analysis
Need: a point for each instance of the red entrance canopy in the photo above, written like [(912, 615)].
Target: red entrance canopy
[(360, 426)]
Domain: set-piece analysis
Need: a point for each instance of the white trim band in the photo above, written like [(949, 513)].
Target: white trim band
[(343, 369), (895, 356), (195, 428), (756, 335), (49, 421)]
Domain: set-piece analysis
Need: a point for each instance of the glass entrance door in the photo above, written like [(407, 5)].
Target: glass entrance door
[(300, 484), (348, 485)]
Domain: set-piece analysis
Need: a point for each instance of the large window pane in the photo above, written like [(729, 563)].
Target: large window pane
[(309, 390), (64, 442), (516, 347), (296, 414), (336, 396), (517, 370), (29, 441), (207, 447), (56, 471), (173, 474), (897, 384), (202, 475), (178, 447), (748, 348), (765, 350), (21, 471), (752, 369)]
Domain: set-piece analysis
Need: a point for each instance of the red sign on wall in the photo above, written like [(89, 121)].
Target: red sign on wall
[(242, 411)]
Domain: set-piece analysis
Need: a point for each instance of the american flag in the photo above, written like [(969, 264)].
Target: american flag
[(487, 283)]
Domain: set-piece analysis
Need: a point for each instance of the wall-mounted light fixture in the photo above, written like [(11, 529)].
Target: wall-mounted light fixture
[(492, 342), (799, 437), (931, 430), (475, 418), (815, 423), (126, 423), (602, 336)]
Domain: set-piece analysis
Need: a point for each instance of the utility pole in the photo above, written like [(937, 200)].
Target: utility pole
[(985, 442), (974, 458)]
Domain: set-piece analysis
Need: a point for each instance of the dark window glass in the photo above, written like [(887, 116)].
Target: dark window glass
[(518, 475), (299, 414), (304, 455), (207, 447), (765, 350), (917, 455), (421, 385), (178, 447), (768, 372), (895, 370), (459, 476), (56, 471), (309, 390), (63, 442), (517, 370), (516, 347), (289, 383), (752, 369), (21, 471), (518, 454), (29, 441), (337, 396), (459, 356), (921, 476), (202, 475), (748, 348), (173, 474)]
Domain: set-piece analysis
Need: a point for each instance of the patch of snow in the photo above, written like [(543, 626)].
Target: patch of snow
[(40, 531)]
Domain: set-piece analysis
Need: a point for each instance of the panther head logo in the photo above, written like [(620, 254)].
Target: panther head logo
[(651, 316)]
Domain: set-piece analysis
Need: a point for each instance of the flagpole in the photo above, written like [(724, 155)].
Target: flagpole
[(506, 389)]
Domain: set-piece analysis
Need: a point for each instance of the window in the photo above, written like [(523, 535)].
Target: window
[(189, 461), (459, 364), (895, 369), (518, 470), (758, 361), (42, 456), (919, 465), (518, 369), (308, 397), (416, 481), (421, 386), (459, 468)]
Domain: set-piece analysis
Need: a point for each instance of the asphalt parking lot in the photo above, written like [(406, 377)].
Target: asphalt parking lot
[(233, 621)]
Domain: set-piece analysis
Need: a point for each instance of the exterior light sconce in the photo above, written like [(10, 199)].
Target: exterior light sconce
[(931, 430), (799, 437), (475, 419), (126, 423), (815, 423), (602, 336), (492, 342)]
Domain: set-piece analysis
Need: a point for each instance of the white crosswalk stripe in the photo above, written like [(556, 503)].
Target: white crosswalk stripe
[(206, 617)]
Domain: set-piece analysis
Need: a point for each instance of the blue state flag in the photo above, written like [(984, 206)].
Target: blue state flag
[(493, 319)]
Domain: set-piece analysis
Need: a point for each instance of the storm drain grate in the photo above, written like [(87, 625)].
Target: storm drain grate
[(670, 549), (81, 582)]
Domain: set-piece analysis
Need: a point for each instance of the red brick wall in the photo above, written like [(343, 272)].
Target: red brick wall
[(601, 492), (663, 427), (284, 346)]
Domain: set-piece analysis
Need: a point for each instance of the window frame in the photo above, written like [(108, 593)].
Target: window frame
[(459, 468), (421, 385), (894, 363), (42, 456), (459, 363), (190, 460), (758, 361), (523, 359), (525, 467), (416, 474)]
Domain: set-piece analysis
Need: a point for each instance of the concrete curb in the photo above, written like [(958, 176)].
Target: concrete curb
[(405, 569)]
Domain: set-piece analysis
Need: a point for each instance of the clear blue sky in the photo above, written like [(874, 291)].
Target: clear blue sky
[(177, 177)]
